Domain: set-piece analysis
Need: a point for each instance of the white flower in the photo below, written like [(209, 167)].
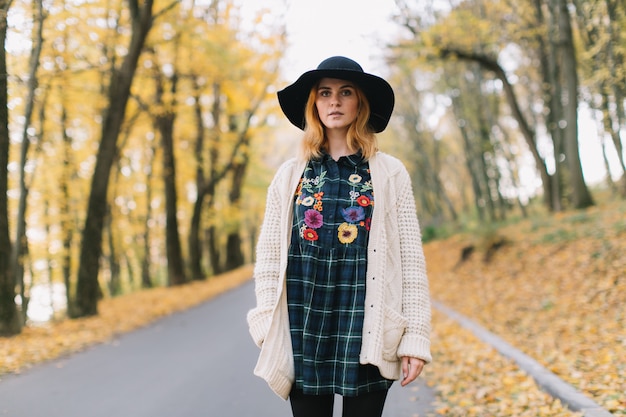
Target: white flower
[(355, 178)]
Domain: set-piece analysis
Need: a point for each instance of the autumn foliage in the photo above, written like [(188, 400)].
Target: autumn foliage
[(556, 289)]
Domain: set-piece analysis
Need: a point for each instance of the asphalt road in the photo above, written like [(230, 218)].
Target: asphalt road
[(191, 364)]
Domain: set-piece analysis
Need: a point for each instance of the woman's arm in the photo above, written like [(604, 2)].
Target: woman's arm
[(267, 266), (415, 290)]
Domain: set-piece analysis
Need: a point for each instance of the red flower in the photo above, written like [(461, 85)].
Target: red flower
[(309, 234), (363, 201)]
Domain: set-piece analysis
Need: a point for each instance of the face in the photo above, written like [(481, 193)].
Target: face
[(337, 103)]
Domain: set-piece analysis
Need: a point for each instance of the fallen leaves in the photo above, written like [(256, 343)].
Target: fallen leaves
[(117, 315), (557, 291)]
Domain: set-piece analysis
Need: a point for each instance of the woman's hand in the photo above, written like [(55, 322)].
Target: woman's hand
[(411, 369)]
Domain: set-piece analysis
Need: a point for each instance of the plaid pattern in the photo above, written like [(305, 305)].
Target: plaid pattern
[(326, 278)]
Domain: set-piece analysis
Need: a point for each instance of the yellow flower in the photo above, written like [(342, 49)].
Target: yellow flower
[(347, 232)]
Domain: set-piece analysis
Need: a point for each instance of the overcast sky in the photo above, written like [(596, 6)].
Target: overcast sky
[(319, 29)]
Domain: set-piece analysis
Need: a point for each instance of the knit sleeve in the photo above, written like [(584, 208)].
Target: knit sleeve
[(415, 290), (267, 265)]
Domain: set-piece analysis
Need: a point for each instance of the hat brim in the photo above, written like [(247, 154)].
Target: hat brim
[(379, 94)]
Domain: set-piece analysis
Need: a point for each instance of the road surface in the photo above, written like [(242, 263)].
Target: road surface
[(192, 364)]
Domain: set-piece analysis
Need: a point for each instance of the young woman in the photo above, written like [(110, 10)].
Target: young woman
[(342, 294)]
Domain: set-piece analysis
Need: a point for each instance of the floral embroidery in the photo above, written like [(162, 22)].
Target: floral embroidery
[(353, 214), (355, 203), (347, 233), (317, 182), (355, 178), (318, 200), (313, 219), (310, 234), (363, 200)]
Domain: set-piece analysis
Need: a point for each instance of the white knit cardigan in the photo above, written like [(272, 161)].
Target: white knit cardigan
[(397, 300)]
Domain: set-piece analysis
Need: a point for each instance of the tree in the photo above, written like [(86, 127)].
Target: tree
[(164, 120), (581, 197), (9, 317), (87, 289), (545, 59), (21, 243)]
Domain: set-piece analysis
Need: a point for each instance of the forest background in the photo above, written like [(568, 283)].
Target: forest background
[(137, 138)]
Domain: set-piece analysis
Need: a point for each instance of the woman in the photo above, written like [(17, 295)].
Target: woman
[(342, 295)]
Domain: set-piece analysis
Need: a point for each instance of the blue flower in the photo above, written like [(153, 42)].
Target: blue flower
[(353, 214)]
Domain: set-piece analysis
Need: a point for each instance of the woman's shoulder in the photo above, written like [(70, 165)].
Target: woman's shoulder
[(388, 162), (287, 168)]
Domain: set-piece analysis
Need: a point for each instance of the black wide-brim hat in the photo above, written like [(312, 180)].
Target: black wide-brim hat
[(379, 93)]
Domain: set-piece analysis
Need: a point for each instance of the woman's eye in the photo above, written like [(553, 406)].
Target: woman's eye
[(325, 93)]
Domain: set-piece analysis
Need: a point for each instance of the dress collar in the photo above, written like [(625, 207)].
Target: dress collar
[(353, 160)]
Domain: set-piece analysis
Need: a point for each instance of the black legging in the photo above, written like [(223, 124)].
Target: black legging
[(365, 405)]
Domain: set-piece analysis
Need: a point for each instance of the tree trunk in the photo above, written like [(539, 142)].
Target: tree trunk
[(20, 244), (528, 133), (87, 288), (470, 161), (9, 317), (234, 246), (146, 280), (165, 124), (195, 242), (581, 197), (115, 281), (65, 211)]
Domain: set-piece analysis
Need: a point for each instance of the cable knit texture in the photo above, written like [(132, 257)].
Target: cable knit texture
[(397, 301)]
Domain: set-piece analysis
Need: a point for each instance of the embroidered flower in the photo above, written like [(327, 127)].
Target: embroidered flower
[(355, 178), (363, 201), (310, 234), (367, 223), (353, 214), (318, 206), (299, 189), (313, 219), (347, 232), (308, 201)]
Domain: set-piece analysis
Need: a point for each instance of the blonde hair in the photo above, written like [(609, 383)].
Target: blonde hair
[(360, 136)]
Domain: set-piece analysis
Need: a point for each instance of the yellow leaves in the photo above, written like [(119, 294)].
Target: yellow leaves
[(556, 292), (117, 315), (473, 380)]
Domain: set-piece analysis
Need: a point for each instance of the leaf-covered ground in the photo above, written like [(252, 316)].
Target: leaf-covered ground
[(553, 287)]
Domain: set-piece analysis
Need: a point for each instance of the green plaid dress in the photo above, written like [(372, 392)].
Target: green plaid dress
[(326, 276)]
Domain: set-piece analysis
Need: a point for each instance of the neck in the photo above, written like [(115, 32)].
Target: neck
[(337, 144)]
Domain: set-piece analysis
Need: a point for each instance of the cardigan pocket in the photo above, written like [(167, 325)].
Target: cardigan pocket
[(393, 330)]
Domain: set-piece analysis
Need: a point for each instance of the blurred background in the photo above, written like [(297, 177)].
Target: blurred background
[(137, 138)]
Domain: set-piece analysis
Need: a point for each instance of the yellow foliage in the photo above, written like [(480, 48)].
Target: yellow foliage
[(556, 290)]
